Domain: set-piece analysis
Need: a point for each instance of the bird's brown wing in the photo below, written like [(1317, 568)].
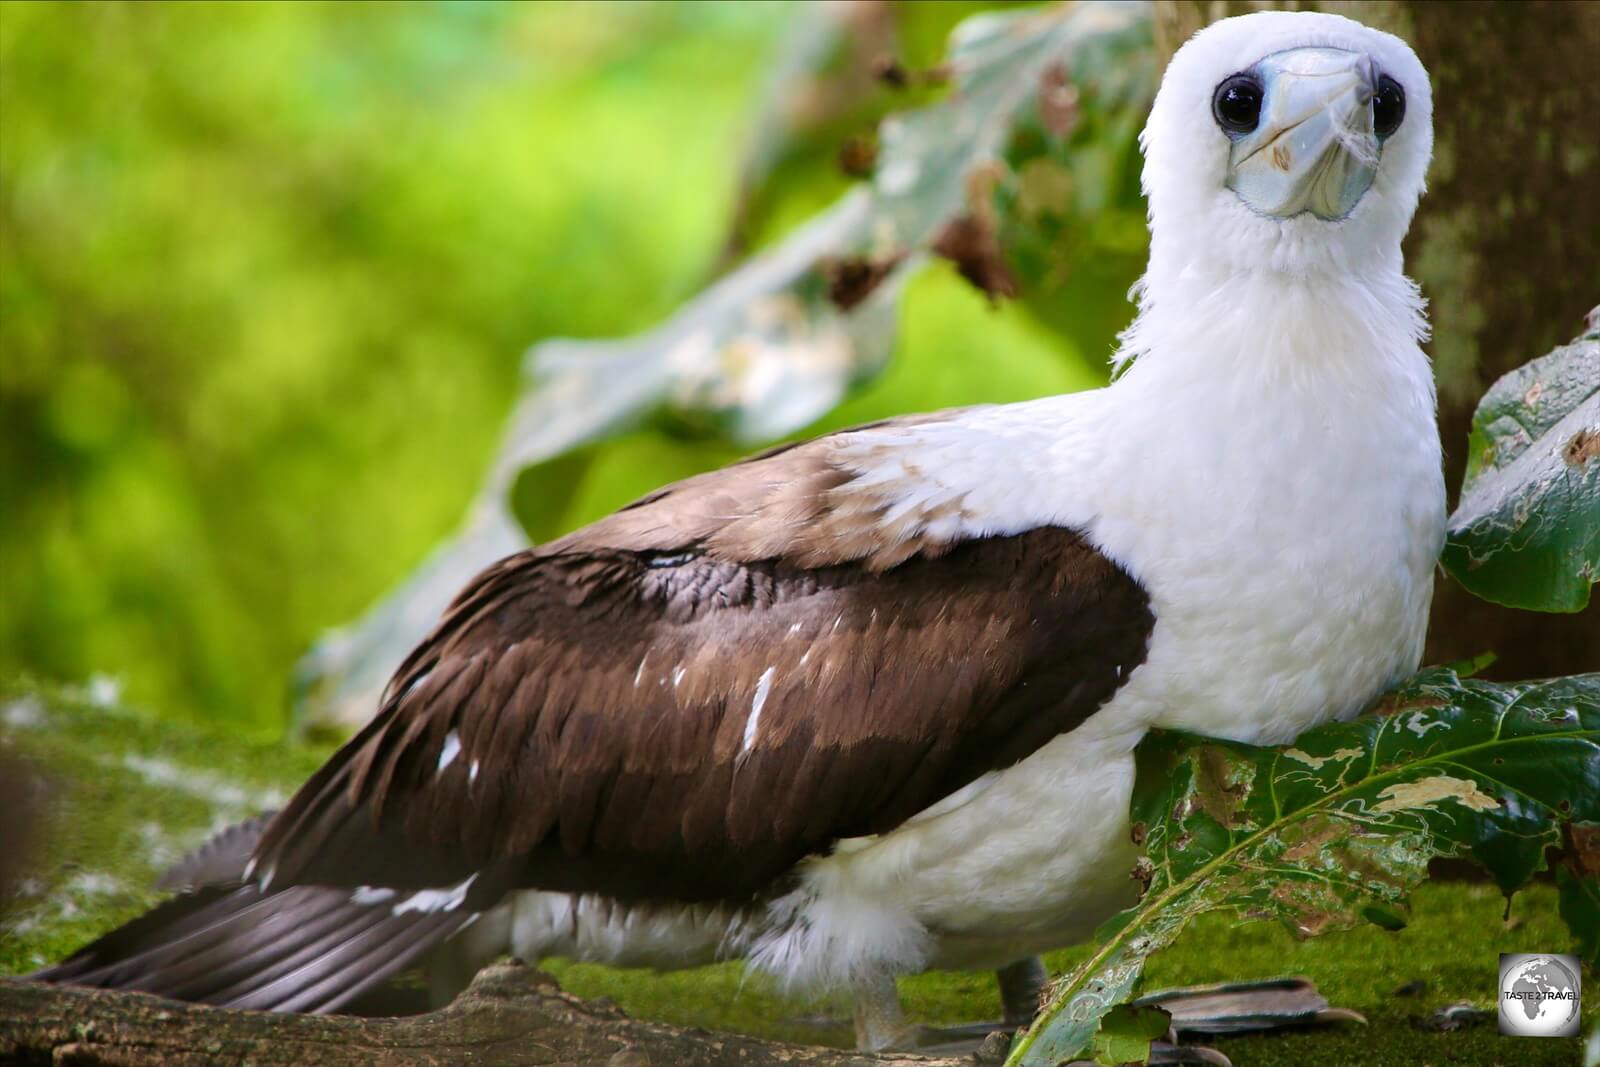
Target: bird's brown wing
[(687, 698)]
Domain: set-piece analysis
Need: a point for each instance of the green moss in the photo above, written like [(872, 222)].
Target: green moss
[(124, 797), (1451, 947)]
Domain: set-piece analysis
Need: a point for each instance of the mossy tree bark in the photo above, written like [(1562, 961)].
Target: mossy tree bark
[(511, 1015), (1506, 244)]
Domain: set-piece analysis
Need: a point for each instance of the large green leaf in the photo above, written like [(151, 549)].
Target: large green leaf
[(776, 343), (1335, 829), (1527, 531)]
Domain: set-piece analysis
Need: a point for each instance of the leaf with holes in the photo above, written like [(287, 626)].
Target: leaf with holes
[(1126, 1032), (1335, 829), (1527, 531)]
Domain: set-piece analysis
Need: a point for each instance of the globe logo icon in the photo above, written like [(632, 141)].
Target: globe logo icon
[(1539, 995)]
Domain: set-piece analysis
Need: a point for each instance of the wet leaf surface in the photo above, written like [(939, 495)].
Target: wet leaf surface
[(1527, 530), (1334, 830)]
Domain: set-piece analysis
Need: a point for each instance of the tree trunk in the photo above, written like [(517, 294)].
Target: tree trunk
[(511, 1015), (1506, 244)]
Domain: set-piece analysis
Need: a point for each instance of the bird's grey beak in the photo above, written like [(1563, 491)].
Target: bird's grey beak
[(1314, 149)]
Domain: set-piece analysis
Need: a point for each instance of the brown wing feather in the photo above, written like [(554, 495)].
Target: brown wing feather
[(600, 692)]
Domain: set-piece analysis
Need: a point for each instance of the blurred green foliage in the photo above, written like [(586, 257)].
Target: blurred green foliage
[(267, 270)]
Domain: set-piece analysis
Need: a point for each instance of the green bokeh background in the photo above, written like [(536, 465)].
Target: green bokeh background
[(267, 271)]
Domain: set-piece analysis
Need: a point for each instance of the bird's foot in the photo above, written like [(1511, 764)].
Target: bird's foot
[(1021, 985), (881, 1025), (880, 1021)]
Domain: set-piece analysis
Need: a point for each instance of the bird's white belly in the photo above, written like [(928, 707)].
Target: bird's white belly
[(1039, 856)]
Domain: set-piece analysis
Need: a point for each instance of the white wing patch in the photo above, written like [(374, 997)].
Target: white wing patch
[(431, 900), (371, 894), (448, 754), (753, 722)]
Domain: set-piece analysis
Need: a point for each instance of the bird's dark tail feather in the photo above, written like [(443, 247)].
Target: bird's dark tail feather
[(304, 948)]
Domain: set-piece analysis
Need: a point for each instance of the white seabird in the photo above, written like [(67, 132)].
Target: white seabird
[(866, 705)]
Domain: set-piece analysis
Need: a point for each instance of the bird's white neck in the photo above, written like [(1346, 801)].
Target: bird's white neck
[(1279, 387), (1324, 329)]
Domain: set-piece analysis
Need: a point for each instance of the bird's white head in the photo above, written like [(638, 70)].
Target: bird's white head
[(1288, 142)]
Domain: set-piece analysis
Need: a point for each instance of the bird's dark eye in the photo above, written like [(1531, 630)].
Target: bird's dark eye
[(1388, 107), (1237, 104)]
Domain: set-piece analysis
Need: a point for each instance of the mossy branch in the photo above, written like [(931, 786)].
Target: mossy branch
[(511, 1016)]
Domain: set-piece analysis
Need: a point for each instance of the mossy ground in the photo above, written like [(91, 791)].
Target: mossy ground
[(123, 796), (126, 795)]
